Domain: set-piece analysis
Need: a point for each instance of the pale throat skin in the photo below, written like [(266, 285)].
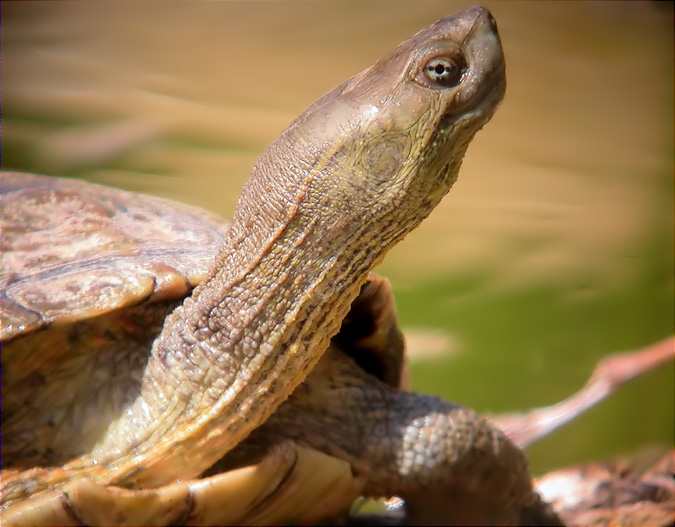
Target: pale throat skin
[(348, 179)]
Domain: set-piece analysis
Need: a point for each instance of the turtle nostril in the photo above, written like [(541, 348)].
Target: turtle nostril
[(492, 21)]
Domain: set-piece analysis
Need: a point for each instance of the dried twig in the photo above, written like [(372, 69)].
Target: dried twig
[(612, 372)]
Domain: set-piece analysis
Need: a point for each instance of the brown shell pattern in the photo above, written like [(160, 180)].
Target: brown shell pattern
[(71, 250)]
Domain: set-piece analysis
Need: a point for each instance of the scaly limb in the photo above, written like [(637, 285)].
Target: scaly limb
[(618, 496)]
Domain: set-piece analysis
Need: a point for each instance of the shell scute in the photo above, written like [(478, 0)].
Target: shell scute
[(72, 250), (82, 294)]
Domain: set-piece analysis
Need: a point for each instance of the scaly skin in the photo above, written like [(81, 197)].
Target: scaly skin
[(347, 180), (434, 454)]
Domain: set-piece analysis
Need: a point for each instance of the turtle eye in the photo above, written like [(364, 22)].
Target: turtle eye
[(444, 72)]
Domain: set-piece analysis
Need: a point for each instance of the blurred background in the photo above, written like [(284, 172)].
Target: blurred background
[(554, 248)]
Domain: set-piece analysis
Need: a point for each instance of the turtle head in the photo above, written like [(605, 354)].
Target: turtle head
[(377, 153), (419, 108)]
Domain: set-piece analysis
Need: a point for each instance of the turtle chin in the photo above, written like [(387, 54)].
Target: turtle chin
[(485, 102), (446, 150)]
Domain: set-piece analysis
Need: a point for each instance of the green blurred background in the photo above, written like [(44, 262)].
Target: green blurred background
[(553, 249)]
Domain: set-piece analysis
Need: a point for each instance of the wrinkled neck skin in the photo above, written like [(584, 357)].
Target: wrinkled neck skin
[(324, 203)]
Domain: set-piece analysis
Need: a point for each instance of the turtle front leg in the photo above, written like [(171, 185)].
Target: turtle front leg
[(450, 465)]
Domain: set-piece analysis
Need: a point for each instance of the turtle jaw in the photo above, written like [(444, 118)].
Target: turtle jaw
[(485, 64), (481, 90)]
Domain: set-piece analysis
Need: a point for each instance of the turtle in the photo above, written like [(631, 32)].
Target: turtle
[(161, 368)]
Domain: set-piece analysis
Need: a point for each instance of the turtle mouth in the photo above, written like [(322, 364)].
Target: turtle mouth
[(472, 115), (455, 128), (481, 105), (492, 92)]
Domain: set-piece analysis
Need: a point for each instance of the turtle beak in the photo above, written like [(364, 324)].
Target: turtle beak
[(485, 58)]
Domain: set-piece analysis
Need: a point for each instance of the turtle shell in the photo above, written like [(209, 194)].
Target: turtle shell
[(71, 250)]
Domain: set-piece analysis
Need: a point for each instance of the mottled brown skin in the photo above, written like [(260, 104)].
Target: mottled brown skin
[(347, 180)]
